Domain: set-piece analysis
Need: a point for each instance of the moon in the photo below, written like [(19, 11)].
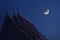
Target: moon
[(46, 12)]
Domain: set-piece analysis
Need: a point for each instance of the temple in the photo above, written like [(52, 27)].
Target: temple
[(19, 28)]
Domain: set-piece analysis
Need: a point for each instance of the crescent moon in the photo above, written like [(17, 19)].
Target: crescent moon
[(46, 12)]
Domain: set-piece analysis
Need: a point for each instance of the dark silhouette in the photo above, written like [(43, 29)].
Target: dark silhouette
[(19, 28)]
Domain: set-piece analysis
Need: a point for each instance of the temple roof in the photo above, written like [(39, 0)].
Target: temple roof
[(18, 28)]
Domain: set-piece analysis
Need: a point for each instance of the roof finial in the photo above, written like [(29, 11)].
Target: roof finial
[(14, 11)]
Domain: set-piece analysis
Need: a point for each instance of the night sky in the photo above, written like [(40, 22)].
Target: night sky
[(48, 25)]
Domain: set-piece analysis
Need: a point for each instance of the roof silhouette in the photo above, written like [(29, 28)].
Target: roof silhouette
[(18, 28)]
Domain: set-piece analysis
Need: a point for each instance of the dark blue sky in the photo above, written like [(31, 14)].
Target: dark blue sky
[(33, 10)]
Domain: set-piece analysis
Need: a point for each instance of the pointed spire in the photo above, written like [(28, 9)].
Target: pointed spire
[(15, 18), (14, 13)]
